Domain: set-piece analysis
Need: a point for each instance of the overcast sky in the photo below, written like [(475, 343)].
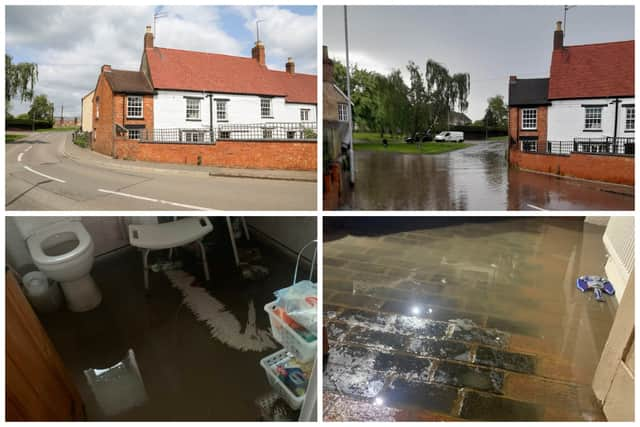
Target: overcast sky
[(70, 43), (489, 42)]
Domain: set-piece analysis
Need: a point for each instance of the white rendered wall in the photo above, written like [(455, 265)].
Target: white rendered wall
[(566, 119), (169, 110)]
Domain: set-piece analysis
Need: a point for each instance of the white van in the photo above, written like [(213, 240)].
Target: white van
[(450, 136)]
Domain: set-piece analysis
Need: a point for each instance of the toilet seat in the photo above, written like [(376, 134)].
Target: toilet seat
[(34, 243)]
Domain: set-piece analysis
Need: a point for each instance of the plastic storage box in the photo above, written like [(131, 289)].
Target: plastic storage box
[(267, 364), (292, 341)]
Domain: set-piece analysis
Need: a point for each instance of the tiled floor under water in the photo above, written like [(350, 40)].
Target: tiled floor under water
[(462, 319), (187, 374)]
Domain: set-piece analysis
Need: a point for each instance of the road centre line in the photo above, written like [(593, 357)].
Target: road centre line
[(44, 175), (535, 207), (149, 199), (20, 157)]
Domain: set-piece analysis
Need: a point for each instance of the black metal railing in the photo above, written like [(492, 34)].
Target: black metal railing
[(622, 146), (295, 131)]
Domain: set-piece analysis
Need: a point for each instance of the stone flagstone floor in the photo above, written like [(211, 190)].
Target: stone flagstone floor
[(442, 319)]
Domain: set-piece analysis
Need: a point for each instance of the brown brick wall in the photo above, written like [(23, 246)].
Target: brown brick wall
[(615, 169), (515, 132), (113, 110), (103, 124), (234, 154)]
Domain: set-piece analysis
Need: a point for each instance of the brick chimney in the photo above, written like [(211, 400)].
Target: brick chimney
[(258, 53), (327, 66), (558, 36), (105, 68), (290, 66), (148, 38)]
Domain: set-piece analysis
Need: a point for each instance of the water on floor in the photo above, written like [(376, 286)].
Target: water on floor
[(185, 373), (462, 318)]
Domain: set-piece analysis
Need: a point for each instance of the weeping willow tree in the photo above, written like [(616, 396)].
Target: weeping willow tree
[(20, 80), (446, 92)]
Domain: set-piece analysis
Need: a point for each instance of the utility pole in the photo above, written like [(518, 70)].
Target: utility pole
[(349, 141), (62, 115)]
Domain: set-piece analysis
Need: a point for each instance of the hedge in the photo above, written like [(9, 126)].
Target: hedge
[(27, 124), (479, 132)]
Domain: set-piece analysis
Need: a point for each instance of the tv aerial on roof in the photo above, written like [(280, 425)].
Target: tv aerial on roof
[(157, 16)]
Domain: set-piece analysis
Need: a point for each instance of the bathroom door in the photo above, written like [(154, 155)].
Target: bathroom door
[(613, 382), (38, 387)]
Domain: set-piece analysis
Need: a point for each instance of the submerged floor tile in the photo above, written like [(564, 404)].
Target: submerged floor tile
[(440, 349), (352, 356), (409, 367), (423, 328), (464, 330), (434, 397), (336, 331), (379, 339), (505, 360), (460, 375), (340, 408), (476, 406), (353, 381)]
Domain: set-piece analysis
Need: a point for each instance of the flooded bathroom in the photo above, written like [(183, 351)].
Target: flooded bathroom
[(478, 318), (161, 318)]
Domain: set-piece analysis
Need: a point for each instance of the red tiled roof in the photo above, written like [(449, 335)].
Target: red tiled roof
[(200, 71), (592, 70)]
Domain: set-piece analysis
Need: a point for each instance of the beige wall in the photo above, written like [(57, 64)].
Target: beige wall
[(87, 112)]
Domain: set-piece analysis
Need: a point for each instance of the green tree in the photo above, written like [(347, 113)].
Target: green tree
[(41, 108), (417, 99), (20, 80), (496, 112), (446, 92)]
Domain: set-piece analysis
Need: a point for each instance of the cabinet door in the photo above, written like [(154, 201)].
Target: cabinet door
[(38, 387)]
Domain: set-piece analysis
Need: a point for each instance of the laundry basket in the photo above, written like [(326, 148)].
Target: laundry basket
[(268, 364), (289, 338)]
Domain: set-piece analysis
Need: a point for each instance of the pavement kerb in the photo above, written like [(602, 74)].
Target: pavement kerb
[(109, 163)]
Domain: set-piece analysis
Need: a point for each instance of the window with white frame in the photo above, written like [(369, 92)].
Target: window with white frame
[(529, 118), (593, 118), (265, 108), (134, 107), (193, 108), (133, 133), (630, 118), (193, 136), (343, 115), (304, 114), (221, 110)]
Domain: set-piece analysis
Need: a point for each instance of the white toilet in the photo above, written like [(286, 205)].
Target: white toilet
[(62, 249)]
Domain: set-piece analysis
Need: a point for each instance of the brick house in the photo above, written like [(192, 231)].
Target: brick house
[(584, 109), (203, 101)]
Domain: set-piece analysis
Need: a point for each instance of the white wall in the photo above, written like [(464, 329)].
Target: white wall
[(18, 256), (566, 119), (169, 110), (292, 232)]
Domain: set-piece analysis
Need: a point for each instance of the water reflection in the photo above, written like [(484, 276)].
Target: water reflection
[(475, 178)]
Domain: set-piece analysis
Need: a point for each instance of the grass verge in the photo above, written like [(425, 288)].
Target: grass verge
[(424, 148), (10, 137), (373, 137)]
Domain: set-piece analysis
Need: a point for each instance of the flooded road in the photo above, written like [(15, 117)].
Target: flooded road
[(462, 318), (475, 178)]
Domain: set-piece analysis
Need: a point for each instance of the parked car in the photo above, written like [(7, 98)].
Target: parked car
[(450, 136), (419, 137)]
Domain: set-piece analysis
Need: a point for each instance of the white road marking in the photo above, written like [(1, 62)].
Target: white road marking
[(535, 207), (28, 148), (20, 157), (149, 199), (44, 175)]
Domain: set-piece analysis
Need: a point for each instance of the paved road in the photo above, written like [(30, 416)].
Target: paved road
[(474, 178), (40, 177)]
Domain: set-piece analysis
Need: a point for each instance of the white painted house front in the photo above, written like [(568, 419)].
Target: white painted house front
[(190, 109), (591, 118)]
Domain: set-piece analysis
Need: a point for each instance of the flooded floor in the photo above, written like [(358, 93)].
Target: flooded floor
[(462, 318), (474, 178), (186, 372)]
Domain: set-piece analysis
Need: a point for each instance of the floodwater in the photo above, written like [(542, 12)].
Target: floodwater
[(475, 178), (462, 318)]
